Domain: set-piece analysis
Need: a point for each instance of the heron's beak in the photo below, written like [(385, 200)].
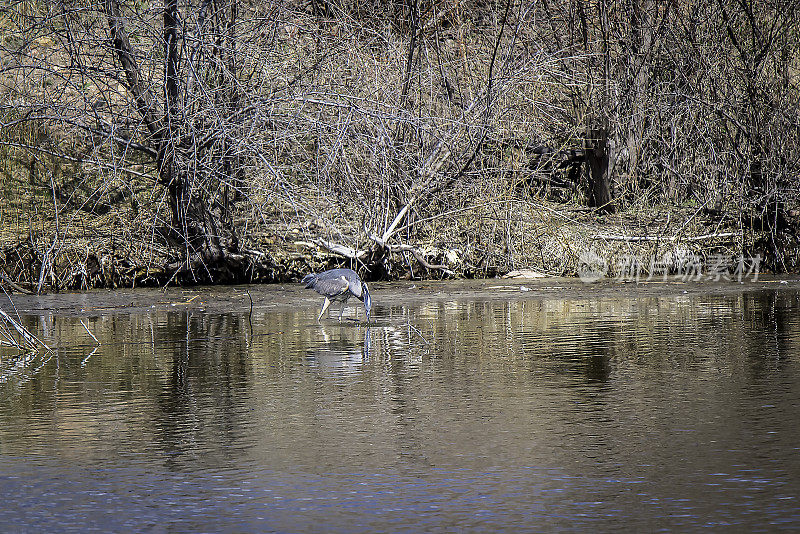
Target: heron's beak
[(367, 300)]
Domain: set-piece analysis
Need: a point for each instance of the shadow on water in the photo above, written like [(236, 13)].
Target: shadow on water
[(637, 413)]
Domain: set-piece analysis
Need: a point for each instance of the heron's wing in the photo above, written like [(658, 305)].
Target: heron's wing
[(332, 287)]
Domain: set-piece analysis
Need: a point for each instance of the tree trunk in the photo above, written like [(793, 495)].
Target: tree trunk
[(600, 159), (202, 234)]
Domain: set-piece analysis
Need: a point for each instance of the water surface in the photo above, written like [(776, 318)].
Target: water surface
[(497, 411)]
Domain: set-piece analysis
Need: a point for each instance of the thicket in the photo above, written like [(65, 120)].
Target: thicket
[(227, 140)]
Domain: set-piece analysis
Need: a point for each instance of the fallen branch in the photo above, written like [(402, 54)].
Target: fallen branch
[(353, 254), (342, 250), (407, 248), (13, 285), (635, 239), (414, 252)]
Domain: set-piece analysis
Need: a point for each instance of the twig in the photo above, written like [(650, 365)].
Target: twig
[(90, 334), (29, 338), (86, 359), (250, 314)]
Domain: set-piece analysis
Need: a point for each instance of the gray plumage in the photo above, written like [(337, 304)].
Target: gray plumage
[(338, 285)]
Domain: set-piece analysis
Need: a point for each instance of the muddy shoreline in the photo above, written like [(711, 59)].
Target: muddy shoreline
[(261, 298)]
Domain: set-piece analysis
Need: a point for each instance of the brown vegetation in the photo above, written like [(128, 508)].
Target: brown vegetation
[(236, 141)]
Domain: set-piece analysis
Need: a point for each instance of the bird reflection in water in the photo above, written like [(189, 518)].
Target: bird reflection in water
[(340, 350)]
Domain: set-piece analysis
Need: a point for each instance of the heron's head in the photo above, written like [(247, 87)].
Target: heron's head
[(366, 298)]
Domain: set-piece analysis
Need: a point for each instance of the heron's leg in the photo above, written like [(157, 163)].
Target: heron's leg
[(324, 307), (344, 303)]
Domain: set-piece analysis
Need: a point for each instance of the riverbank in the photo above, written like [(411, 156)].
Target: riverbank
[(483, 240)]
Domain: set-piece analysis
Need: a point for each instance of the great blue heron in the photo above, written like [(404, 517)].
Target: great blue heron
[(339, 285)]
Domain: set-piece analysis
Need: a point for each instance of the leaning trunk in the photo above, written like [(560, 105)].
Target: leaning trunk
[(201, 230)]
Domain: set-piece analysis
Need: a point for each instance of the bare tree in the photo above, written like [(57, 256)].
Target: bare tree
[(240, 130), (193, 162), (149, 92)]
